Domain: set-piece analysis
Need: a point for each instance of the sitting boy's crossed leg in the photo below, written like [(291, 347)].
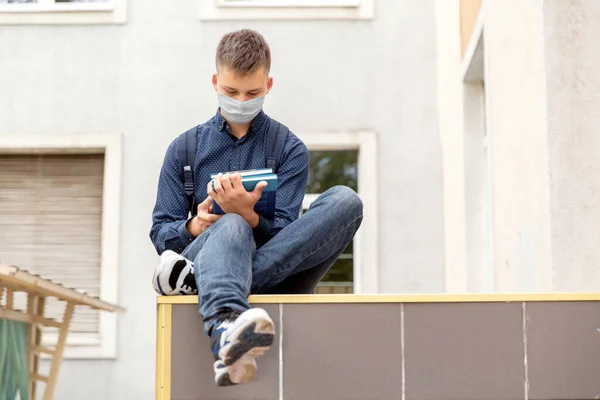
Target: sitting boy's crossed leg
[(227, 268)]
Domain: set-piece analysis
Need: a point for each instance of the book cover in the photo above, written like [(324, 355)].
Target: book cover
[(266, 204)]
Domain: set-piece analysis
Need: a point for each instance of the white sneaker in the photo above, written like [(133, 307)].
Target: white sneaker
[(237, 340), (174, 275)]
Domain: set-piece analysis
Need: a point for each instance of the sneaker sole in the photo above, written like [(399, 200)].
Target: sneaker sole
[(251, 340), (155, 282), (242, 372)]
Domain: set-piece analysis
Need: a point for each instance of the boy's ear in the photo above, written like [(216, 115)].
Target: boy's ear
[(269, 83), (214, 81)]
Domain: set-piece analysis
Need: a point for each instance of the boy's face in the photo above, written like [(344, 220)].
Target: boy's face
[(242, 88)]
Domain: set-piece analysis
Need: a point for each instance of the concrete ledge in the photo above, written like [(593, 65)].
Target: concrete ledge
[(421, 347)]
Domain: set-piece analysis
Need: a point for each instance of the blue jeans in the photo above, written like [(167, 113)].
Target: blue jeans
[(228, 267)]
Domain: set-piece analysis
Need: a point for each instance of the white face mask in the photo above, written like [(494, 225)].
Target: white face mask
[(239, 112)]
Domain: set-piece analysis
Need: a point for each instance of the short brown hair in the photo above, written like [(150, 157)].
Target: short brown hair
[(244, 52)]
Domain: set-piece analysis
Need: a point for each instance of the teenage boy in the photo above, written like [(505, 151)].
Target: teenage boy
[(224, 258)]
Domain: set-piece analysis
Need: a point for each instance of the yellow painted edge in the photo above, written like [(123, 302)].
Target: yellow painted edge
[(167, 327), (160, 316), (163, 352), (398, 298)]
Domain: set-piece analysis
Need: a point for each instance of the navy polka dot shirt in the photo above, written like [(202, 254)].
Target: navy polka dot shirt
[(219, 151)]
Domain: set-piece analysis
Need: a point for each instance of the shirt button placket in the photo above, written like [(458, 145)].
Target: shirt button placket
[(235, 157)]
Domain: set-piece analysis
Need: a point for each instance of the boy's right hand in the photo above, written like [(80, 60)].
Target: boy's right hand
[(203, 219)]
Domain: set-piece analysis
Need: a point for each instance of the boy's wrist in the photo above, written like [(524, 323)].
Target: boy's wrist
[(251, 218), (193, 227)]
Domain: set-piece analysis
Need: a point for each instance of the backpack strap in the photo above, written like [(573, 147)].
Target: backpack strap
[(186, 155), (277, 134)]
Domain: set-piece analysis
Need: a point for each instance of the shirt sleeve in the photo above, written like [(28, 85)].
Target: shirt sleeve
[(292, 177), (170, 214)]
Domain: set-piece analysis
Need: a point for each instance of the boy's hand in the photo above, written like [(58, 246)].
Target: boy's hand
[(203, 219), (231, 195)]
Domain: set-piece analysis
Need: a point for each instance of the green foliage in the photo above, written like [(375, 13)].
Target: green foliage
[(330, 168), (14, 372)]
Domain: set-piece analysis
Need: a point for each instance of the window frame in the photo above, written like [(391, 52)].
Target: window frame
[(51, 13), (286, 9), (307, 201), (86, 345), (366, 272)]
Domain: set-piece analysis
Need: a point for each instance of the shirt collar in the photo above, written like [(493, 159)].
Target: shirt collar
[(258, 123)]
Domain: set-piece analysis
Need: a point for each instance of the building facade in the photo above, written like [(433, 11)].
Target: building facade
[(467, 127), (92, 93), (518, 100)]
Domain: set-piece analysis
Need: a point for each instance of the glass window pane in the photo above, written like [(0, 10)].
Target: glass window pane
[(341, 271), (330, 168), (350, 248)]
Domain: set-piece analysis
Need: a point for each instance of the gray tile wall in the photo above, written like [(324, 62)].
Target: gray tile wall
[(342, 351), (563, 350), (192, 376), (415, 351), (464, 351)]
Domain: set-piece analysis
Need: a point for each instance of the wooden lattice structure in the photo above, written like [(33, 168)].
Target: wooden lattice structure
[(37, 290)]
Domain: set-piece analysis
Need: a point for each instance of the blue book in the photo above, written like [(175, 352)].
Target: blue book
[(266, 204)]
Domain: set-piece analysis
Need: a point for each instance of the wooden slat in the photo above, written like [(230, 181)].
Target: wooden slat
[(17, 316), (43, 350), (35, 307), (10, 275), (21, 316), (37, 377), (46, 322), (9, 298), (60, 347)]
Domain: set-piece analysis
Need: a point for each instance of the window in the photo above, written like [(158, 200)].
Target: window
[(348, 159), (51, 209), (327, 169), (59, 202), (285, 9), (62, 11)]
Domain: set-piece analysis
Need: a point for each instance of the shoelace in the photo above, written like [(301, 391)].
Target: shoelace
[(227, 315), (224, 315)]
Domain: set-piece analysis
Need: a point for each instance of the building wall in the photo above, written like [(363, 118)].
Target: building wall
[(150, 80), (503, 94), (541, 112), (403, 98), (450, 116), (573, 100), (516, 114)]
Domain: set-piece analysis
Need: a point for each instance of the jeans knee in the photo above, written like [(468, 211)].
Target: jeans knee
[(347, 199), (234, 227)]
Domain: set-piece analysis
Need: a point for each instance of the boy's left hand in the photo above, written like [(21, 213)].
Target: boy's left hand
[(232, 197)]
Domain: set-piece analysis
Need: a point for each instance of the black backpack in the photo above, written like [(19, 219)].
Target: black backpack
[(277, 134)]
